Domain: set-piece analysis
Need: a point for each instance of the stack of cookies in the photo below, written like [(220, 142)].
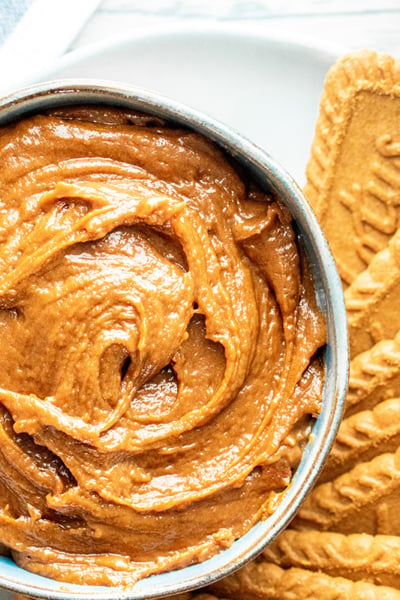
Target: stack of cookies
[(345, 541)]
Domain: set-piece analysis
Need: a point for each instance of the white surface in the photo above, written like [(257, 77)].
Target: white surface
[(352, 23), (264, 86)]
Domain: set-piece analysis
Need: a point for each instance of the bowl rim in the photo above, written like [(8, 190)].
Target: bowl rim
[(270, 174)]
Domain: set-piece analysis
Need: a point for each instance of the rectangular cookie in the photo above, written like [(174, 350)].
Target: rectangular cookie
[(374, 376), (363, 500), (266, 581), (353, 174), (359, 557), (362, 436), (373, 300)]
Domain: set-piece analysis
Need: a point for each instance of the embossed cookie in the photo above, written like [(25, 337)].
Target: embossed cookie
[(358, 556), (266, 581), (374, 376), (363, 500), (373, 300), (363, 436), (353, 175)]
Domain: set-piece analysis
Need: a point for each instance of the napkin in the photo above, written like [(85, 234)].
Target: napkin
[(11, 12), (34, 33)]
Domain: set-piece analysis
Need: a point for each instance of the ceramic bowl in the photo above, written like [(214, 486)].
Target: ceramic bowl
[(271, 176)]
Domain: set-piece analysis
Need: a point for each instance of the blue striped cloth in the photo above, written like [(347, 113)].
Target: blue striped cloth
[(10, 13)]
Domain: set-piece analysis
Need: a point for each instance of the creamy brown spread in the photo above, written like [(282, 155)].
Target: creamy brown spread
[(159, 341)]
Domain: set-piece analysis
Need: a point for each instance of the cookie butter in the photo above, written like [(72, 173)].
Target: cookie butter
[(159, 341)]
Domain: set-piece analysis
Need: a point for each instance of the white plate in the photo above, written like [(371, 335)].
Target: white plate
[(265, 86)]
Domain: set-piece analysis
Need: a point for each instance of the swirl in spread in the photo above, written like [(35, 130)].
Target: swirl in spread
[(159, 341)]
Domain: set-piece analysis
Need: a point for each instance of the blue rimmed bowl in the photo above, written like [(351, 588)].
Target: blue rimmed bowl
[(271, 176)]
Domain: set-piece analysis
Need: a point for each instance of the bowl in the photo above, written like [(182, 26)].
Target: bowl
[(270, 176)]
